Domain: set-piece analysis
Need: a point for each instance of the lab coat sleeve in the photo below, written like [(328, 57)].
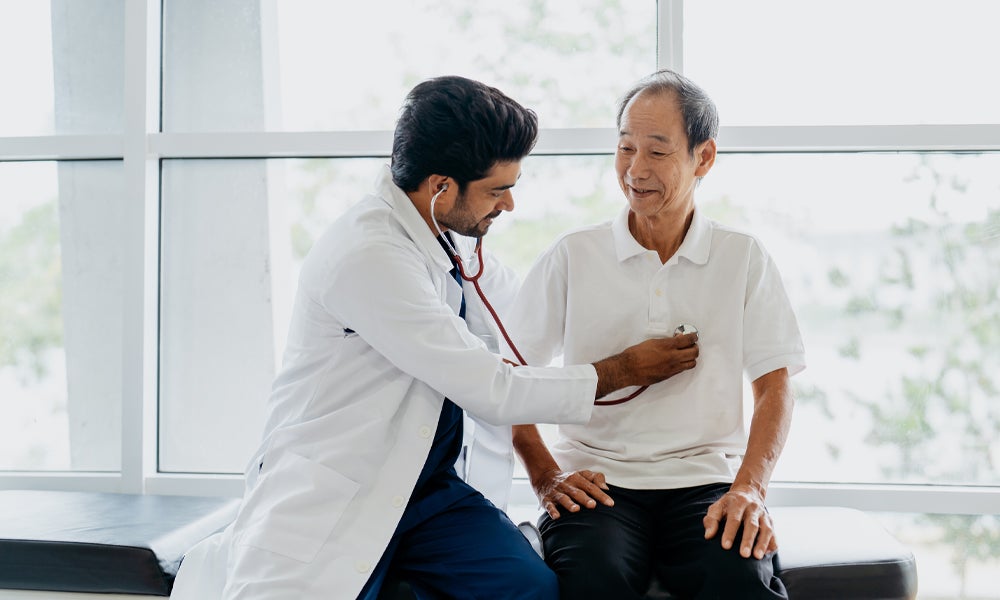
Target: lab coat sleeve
[(384, 292)]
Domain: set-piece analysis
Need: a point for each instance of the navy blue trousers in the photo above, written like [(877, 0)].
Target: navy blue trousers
[(606, 553), (454, 543)]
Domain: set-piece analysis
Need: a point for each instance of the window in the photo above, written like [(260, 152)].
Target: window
[(65, 60), (60, 265), (165, 166), (258, 73), (311, 65), (852, 62), (890, 260), (60, 272)]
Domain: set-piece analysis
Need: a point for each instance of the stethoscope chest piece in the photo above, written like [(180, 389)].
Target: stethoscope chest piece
[(685, 328)]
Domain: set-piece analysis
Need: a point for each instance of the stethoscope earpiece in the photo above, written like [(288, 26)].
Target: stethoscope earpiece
[(451, 248)]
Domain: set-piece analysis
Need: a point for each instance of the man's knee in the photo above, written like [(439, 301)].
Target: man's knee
[(729, 573), (588, 572), (595, 557)]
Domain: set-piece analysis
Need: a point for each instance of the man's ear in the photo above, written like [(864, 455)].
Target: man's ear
[(705, 155), (439, 183)]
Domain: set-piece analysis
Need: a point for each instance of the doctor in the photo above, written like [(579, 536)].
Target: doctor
[(356, 476)]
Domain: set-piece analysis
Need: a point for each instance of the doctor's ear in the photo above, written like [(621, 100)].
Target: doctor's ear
[(436, 184)]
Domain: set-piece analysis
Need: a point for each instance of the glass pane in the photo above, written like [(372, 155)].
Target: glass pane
[(958, 556), (234, 233), (316, 65), (783, 62), (893, 271), (892, 263), (60, 315), (65, 59), (554, 194)]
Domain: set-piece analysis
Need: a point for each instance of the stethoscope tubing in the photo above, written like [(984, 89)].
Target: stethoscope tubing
[(474, 280)]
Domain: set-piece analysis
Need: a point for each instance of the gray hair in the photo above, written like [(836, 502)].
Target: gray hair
[(701, 117)]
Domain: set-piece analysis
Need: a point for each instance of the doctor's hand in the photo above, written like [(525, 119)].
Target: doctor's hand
[(743, 506), (570, 490), (647, 362)]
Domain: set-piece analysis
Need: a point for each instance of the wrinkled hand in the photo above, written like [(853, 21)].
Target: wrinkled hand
[(742, 507), (570, 490)]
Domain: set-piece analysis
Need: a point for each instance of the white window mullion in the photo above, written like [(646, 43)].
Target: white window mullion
[(61, 147), (670, 35), (860, 138), (82, 482), (272, 144), (139, 343), (963, 500)]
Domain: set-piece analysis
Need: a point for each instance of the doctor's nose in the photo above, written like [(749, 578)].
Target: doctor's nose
[(506, 201)]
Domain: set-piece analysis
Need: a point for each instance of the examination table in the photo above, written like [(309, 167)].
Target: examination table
[(124, 546)]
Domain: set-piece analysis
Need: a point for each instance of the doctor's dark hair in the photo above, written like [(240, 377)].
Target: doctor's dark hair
[(460, 128), (701, 117)]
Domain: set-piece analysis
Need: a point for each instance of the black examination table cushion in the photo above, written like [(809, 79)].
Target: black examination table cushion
[(101, 542)]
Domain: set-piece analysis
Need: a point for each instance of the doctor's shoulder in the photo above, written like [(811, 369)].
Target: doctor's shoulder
[(362, 224)]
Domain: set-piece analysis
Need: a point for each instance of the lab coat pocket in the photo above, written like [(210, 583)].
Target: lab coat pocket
[(294, 506)]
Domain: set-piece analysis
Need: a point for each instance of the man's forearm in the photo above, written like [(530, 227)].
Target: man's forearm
[(612, 374), (530, 447), (769, 427)]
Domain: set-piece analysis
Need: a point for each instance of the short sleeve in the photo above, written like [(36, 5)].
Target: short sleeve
[(771, 336)]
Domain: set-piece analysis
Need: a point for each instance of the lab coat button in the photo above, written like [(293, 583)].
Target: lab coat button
[(362, 567), (397, 501), (424, 431)]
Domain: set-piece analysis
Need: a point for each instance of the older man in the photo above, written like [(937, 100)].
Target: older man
[(674, 483)]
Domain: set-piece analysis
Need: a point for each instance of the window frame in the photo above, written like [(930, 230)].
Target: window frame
[(142, 148)]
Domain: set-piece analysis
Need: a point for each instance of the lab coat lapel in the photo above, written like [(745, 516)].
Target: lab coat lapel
[(416, 228), (414, 225)]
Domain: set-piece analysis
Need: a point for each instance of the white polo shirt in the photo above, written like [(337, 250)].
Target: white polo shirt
[(596, 291)]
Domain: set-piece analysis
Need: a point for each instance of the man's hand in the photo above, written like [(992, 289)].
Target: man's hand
[(647, 362), (742, 507), (570, 489)]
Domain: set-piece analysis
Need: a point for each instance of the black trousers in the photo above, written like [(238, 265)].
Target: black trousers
[(605, 553)]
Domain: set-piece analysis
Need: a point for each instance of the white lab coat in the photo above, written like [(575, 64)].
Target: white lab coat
[(352, 415)]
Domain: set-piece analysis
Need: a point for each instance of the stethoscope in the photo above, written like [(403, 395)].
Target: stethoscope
[(474, 280)]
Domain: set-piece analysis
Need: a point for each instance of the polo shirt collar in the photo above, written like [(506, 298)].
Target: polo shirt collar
[(695, 247)]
